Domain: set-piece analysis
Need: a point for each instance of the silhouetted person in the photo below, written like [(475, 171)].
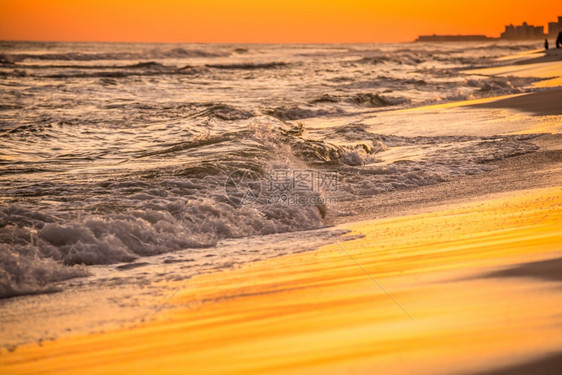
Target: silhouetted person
[(546, 44), (559, 40)]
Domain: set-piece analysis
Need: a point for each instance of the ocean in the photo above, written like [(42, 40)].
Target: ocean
[(123, 165)]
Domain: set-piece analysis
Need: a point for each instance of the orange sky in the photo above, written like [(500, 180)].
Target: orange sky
[(263, 21)]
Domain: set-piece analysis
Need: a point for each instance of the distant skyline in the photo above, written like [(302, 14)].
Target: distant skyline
[(259, 21)]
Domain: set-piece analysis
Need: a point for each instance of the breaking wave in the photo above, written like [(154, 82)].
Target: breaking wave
[(187, 205)]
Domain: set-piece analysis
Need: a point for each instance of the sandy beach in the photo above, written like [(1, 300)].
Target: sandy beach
[(460, 277), (459, 290)]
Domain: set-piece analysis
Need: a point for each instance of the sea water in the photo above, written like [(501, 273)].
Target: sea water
[(125, 164)]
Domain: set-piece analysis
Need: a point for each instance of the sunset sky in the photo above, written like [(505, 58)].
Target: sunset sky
[(262, 21)]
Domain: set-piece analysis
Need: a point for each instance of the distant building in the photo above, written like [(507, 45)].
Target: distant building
[(523, 32), (520, 32), (554, 28)]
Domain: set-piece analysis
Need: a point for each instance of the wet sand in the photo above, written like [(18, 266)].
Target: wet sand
[(425, 293)]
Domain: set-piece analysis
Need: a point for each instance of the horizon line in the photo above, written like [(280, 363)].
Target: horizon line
[(150, 42)]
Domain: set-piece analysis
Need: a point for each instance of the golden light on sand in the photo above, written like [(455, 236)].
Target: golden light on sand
[(262, 21), (319, 313)]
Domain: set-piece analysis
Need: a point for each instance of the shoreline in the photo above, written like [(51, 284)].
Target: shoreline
[(266, 309), (546, 65), (538, 169), (318, 312)]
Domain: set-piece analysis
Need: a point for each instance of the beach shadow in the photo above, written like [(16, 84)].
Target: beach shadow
[(547, 365), (544, 103), (547, 270)]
